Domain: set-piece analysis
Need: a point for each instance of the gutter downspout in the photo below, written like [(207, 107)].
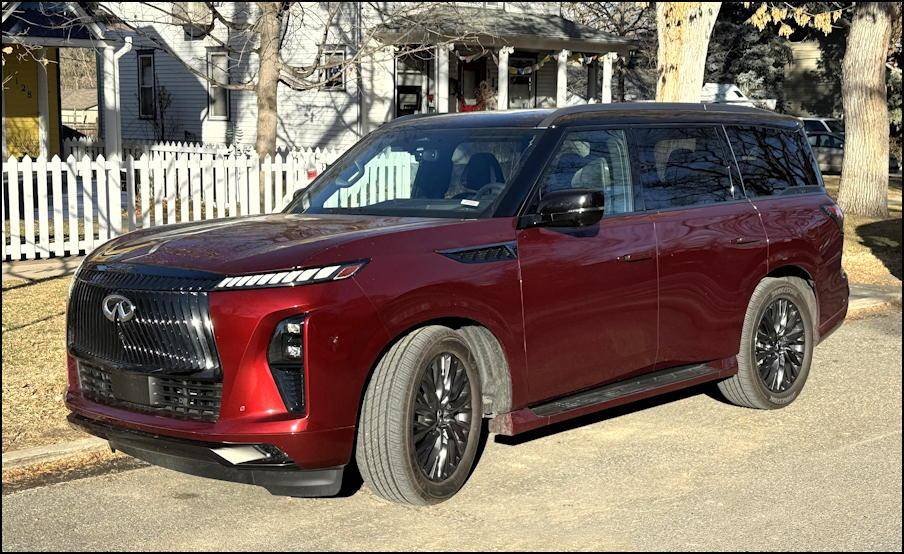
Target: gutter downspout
[(359, 76)]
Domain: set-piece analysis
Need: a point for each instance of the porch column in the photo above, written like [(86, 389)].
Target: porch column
[(607, 77), (112, 124), (593, 84), (378, 94), (43, 106), (562, 79), (442, 77), (503, 78)]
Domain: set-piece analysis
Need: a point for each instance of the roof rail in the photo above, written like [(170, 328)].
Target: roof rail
[(646, 106)]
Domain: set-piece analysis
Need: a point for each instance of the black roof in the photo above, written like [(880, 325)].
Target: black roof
[(625, 113), (493, 27)]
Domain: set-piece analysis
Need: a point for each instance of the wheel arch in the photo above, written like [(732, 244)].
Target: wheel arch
[(489, 355), (794, 270)]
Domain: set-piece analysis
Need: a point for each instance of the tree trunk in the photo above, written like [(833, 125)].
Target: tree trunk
[(864, 171), (267, 79), (683, 29)]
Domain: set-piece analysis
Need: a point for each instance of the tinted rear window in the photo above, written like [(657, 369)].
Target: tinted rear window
[(683, 167), (772, 161)]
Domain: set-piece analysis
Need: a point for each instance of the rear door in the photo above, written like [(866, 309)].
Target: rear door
[(589, 293), (712, 245), (782, 183)]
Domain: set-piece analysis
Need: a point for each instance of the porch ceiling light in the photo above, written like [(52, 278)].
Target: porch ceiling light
[(291, 278)]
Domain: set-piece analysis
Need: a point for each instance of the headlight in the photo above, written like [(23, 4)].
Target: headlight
[(292, 278), (286, 359)]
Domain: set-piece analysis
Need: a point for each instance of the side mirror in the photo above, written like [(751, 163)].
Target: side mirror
[(571, 208)]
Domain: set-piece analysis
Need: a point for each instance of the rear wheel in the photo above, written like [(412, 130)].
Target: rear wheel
[(421, 417), (776, 345)]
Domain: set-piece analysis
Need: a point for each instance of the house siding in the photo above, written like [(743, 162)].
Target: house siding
[(307, 118)]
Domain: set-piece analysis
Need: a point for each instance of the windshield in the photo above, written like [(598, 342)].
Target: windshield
[(456, 173), (835, 125)]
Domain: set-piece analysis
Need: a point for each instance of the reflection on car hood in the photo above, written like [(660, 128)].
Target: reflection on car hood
[(245, 245)]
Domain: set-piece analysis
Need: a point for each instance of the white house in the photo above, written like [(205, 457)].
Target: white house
[(520, 54)]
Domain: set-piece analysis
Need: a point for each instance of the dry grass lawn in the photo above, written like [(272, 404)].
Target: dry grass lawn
[(872, 247), (34, 363)]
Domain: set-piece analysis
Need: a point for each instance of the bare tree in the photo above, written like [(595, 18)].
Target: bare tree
[(77, 68), (631, 20)]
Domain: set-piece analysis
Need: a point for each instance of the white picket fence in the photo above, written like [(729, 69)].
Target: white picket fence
[(68, 207), (93, 147)]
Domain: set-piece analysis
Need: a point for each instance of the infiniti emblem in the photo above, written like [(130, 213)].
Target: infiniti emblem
[(117, 307)]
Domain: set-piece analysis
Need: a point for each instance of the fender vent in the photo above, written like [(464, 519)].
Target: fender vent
[(483, 254)]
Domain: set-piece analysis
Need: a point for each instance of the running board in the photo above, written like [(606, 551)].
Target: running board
[(609, 396)]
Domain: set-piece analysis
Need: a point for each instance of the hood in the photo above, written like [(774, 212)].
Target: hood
[(251, 244)]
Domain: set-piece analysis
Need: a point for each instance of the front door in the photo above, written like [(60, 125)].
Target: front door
[(590, 293)]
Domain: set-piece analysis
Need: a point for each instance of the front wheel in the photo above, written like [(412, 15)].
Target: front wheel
[(777, 344), (421, 418)]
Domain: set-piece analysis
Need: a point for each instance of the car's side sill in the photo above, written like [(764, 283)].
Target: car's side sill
[(611, 395)]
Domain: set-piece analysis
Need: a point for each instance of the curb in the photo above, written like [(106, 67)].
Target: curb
[(866, 297), (867, 304), (42, 454)]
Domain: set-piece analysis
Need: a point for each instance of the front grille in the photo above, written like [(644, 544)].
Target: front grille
[(165, 395), (171, 330)]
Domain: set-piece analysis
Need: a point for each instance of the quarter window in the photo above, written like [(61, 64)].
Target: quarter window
[(772, 161), (683, 167), (594, 160), (146, 86)]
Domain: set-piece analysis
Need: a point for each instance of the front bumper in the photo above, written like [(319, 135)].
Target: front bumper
[(201, 459)]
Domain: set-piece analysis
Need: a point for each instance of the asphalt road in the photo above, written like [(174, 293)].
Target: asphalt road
[(688, 472)]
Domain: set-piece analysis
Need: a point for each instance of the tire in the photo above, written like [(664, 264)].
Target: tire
[(749, 388), (386, 454)]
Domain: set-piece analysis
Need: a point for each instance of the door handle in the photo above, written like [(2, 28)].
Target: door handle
[(745, 240), (636, 257)]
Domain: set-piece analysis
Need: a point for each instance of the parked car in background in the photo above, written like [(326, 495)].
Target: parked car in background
[(525, 267), (828, 149), (727, 93), (823, 125)]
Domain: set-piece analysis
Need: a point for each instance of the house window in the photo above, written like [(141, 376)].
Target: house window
[(332, 72), (146, 85), (218, 98)]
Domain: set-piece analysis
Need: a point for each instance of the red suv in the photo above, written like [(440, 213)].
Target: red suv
[(525, 267)]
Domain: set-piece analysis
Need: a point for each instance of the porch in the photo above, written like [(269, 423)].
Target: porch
[(496, 60), (34, 32)]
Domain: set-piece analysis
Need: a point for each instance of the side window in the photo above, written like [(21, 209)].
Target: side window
[(147, 108), (218, 97), (772, 161), (683, 167), (594, 160)]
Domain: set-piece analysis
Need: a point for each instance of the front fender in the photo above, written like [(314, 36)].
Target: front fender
[(445, 290)]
